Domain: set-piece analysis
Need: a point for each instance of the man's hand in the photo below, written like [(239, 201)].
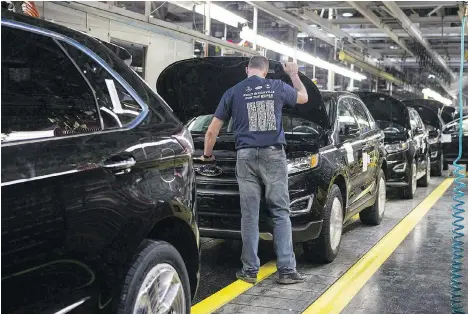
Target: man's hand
[(291, 68), (204, 159)]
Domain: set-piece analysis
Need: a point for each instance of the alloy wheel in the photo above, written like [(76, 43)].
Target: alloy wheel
[(161, 292), (336, 223)]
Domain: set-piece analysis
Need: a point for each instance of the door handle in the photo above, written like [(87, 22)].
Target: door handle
[(121, 164)]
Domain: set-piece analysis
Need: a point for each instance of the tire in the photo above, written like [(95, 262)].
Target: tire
[(440, 165), (155, 258), (424, 181), (325, 248), (409, 191), (373, 215)]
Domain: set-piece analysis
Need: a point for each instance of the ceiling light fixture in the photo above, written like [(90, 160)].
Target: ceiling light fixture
[(217, 13), (249, 35), (347, 14), (435, 95)]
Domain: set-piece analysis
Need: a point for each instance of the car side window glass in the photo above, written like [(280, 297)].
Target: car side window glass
[(413, 120), (361, 115), (43, 93), (117, 107), (345, 116)]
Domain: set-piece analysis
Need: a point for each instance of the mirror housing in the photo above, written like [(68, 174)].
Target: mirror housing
[(434, 133)]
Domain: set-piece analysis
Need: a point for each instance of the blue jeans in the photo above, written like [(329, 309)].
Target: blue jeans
[(268, 166)]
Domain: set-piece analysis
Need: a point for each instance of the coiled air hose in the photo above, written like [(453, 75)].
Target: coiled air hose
[(456, 294)]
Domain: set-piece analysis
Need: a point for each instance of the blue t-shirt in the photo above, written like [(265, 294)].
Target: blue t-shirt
[(255, 106)]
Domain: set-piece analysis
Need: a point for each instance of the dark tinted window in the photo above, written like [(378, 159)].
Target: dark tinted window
[(361, 115), (118, 108), (43, 93)]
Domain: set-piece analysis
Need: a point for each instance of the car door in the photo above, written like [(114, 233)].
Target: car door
[(370, 138), (419, 140), (82, 177), (350, 143)]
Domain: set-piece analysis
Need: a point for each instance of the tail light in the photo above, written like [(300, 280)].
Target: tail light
[(185, 140)]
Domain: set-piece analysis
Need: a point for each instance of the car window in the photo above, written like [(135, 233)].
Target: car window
[(361, 115), (413, 119), (345, 115), (117, 107), (43, 93)]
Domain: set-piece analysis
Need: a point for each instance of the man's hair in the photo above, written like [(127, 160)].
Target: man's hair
[(259, 63)]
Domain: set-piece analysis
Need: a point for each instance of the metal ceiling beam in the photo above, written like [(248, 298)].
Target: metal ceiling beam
[(378, 22), (282, 15), (435, 32), (415, 19), (326, 26), (331, 28), (403, 4), (414, 31)]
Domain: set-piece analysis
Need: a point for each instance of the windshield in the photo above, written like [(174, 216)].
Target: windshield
[(390, 127), (291, 125)]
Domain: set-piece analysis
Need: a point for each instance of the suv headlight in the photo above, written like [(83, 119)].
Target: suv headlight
[(393, 148), (303, 163)]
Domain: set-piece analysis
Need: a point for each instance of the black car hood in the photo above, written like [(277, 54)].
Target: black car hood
[(448, 113), (386, 108), (194, 87), (427, 114)]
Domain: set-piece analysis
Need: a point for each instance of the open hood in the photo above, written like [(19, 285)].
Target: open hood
[(427, 114), (448, 112), (194, 87), (386, 108)]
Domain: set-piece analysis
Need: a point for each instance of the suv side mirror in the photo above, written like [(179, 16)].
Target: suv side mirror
[(433, 133)]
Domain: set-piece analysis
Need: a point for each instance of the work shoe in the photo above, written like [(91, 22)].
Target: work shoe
[(241, 275), (292, 278)]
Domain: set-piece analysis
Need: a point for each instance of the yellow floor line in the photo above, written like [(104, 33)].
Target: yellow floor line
[(229, 293), (335, 299)]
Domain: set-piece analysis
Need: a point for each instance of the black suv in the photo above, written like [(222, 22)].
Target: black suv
[(406, 142), (98, 184), (434, 125), (334, 149)]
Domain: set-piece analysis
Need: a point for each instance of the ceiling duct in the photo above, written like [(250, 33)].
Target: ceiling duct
[(414, 32), (379, 23)]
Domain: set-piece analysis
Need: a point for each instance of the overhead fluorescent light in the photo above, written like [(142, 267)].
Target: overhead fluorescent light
[(302, 35), (249, 35), (347, 14), (331, 35), (217, 13), (435, 95)]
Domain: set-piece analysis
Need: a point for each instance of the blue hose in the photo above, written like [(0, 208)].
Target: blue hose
[(457, 209)]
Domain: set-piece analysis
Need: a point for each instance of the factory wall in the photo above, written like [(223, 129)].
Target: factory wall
[(162, 48)]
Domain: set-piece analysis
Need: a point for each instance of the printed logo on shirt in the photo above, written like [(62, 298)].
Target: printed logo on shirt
[(248, 89), (267, 86), (259, 87), (261, 115)]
